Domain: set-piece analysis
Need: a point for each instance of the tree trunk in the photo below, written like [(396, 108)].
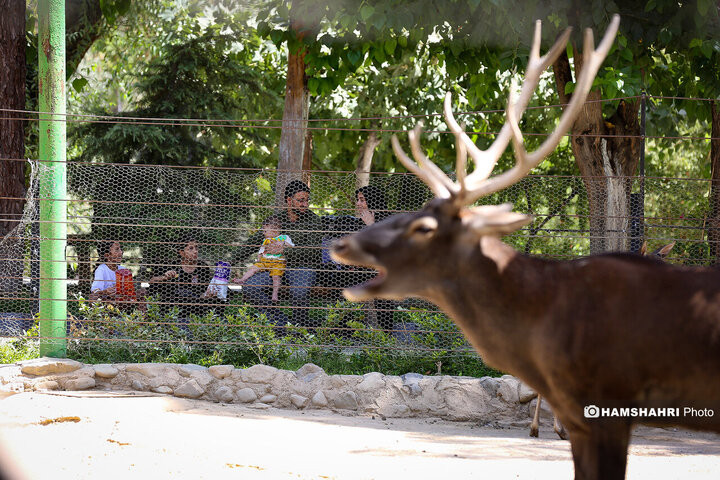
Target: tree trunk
[(606, 158), (713, 226), (294, 124), (307, 157), (365, 156), (12, 126), (12, 139)]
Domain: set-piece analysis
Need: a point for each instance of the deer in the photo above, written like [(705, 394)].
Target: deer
[(659, 253), (609, 340)]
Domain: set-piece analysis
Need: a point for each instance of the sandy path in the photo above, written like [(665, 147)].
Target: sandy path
[(99, 435)]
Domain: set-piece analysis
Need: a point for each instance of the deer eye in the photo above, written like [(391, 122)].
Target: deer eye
[(423, 227)]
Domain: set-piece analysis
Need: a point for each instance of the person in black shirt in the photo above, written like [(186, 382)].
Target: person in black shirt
[(185, 284), (305, 228)]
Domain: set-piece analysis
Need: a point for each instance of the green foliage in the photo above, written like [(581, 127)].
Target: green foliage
[(200, 78), (343, 344), (21, 348)]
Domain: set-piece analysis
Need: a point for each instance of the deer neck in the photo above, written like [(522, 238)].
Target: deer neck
[(493, 298)]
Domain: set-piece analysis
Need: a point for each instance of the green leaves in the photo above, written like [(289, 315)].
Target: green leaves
[(263, 184), (354, 57), (366, 12), (277, 37), (79, 83), (112, 9)]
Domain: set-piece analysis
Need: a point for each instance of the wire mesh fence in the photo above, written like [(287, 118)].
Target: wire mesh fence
[(171, 260)]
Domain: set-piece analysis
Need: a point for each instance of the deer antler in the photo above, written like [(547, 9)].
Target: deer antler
[(478, 184)]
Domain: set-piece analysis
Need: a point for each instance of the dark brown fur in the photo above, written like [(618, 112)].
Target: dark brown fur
[(613, 330)]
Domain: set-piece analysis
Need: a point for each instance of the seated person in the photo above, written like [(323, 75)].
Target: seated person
[(305, 227), (371, 207), (107, 275), (274, 263), (185, 284)]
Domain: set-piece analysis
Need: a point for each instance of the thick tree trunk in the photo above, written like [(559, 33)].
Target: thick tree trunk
[(713, 226), (12, 126), (365, 156), (294, 125), (12, 139), (606, 158)]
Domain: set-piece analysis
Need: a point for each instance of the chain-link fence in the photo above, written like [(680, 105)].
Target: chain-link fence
[(171, 259)]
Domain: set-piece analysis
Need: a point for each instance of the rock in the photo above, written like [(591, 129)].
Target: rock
[(508, 389), (546, 412), (503, 400), (106, 371), (258, 374), (525, 393), (299, 401), (319, 400), (347, 401), (372, 381), (49, 385), (309, 372), (190, 389), (411, 381), (221, 371), (198, 373), (394, 410), (49, 366), (224, 394), (344, 381), (154, 376), (82, 383), (490, 385), (466, 398), (147, 369), (246, 395)]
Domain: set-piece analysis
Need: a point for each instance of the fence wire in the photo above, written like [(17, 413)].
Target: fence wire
[(168, 259)]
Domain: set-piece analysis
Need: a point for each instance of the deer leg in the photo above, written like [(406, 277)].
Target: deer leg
[(535, 425), (601, 453)]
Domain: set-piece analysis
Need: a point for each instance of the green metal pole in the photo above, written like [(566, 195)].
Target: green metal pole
[(53, 205)]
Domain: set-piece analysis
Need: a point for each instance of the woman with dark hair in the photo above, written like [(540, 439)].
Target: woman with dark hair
[(114, 283), (370, 204), (184, 283), (371, 207), (110, 253)]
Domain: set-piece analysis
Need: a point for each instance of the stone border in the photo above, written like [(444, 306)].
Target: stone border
[(503, 401)]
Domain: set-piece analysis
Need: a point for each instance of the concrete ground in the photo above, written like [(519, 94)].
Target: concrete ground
[(84, 435)]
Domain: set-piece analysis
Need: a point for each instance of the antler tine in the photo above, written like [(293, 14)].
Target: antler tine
[(461, 160), (438, 188), (485, 160), (526, 162), (425, 163)]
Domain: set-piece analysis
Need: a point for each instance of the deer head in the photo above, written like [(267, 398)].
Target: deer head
[(449, 228)]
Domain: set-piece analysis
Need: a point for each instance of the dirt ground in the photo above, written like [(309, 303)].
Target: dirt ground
[(72, 435)]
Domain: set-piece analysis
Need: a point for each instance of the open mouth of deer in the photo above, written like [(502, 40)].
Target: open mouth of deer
[(345, 251), (368, 289)]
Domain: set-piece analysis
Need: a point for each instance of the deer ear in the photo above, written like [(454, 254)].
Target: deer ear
[(494, 219)]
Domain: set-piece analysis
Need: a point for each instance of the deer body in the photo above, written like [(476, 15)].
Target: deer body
[(614, 330)]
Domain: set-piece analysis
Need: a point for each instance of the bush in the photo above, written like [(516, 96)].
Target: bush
[(343, 344)]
